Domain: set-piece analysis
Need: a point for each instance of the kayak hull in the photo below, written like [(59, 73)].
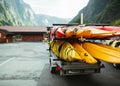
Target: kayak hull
[(102, 53)]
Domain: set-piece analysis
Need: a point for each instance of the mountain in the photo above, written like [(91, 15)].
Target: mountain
[(100, 11), (49, 20), (18, 13)]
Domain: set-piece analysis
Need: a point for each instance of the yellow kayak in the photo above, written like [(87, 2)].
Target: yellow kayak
[(102, 53), (55, 46), (109, 47), (68, 52), (84, 54), (65, 51), (52, 46)]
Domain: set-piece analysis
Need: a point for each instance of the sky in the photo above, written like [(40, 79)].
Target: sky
[(58, 8)]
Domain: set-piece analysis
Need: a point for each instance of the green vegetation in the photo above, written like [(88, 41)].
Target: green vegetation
[(116, 23), (16, 12), (100, 11), (4, 22)]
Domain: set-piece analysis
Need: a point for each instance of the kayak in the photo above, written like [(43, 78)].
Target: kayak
[(55, 46), (65, 51), (68, 53), (86, 57), (109, 28), (102, 53), (78, 32), (113, 43), (85, 34), (71, 52), (97, 33), (114, 29), (57, 33), (109, 47)]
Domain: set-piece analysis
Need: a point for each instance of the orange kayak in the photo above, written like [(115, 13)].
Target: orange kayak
[(87, 32), (86, 57)]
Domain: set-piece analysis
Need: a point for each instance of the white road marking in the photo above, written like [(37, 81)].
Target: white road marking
[(7, 61)]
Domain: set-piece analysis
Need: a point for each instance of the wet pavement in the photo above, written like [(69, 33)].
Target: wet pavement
[(26, 64), (21, 64), (109, 76)]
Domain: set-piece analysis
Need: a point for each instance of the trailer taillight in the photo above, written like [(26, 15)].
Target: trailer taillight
[(58, 68)]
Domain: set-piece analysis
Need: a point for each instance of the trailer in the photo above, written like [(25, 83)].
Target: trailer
[(64, 68)]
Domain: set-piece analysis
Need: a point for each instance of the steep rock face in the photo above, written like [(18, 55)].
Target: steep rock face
[(111, 12), (16, 12), (25, 12), (100, 11)]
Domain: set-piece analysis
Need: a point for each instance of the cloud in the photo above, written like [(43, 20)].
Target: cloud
[(59, 8)]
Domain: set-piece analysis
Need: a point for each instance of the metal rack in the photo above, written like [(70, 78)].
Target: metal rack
[(62, 67)]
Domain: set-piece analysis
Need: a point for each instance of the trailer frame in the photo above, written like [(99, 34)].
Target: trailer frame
[(64, 68)]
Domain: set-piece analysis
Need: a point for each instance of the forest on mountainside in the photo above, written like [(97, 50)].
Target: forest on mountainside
[(100, 12)]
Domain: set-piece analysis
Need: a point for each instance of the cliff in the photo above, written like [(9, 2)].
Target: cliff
[(18, 13), (100, 11)]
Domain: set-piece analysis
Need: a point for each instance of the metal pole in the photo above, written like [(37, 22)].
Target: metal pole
[(81, 18)]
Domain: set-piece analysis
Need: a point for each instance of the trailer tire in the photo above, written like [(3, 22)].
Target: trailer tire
[(53, 69), (117, 66)]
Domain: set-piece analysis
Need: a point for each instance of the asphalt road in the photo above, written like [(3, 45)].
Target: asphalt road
[(108, 77), (26, 64), (21, 64)]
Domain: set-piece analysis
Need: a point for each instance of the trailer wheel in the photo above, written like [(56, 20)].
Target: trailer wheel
[(53, 69), (117, 66)]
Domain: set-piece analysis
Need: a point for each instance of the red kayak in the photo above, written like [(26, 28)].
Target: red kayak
[(109, 28), (57, 33)]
